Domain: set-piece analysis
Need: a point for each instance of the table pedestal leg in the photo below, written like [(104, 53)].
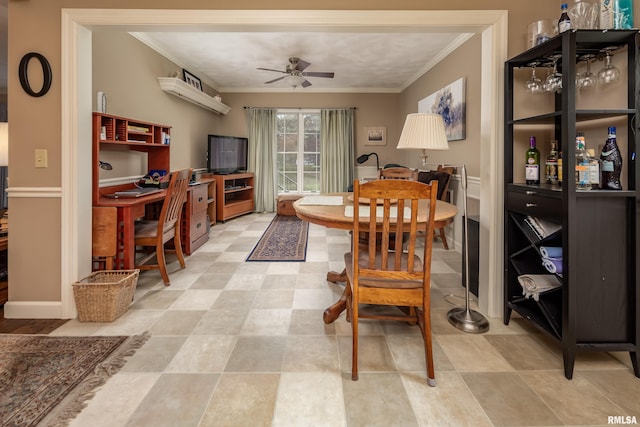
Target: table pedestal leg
[(333, 312)]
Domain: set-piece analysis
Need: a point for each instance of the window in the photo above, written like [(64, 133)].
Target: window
[(298, 151)]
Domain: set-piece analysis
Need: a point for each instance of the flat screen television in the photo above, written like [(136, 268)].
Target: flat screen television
[(227, 154)]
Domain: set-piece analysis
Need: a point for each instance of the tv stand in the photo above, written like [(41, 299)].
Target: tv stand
[(234, 195)]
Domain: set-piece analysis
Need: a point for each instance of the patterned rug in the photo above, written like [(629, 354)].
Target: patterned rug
[(47, 380), (284, 240)]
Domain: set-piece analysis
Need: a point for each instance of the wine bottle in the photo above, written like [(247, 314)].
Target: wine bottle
[(564, 23), (532, 167), (551, 164), (583, 179), (611, 162)]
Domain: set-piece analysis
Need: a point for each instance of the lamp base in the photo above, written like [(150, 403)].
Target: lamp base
[(468, 320)]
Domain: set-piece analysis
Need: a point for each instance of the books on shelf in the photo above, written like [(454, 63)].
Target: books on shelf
[(541, 227), (135, 128)]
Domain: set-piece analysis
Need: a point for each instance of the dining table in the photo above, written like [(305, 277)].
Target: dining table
[(335, 210)]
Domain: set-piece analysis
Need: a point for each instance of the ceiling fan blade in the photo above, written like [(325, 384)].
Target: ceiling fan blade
[(270, 69), (306, 83), (302, 65), (275, 80), (318, 74)]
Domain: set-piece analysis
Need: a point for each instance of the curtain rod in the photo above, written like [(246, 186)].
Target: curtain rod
[(304, 108)]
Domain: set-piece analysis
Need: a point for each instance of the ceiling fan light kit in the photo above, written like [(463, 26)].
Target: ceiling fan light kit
[(296, 76), (294, 80)]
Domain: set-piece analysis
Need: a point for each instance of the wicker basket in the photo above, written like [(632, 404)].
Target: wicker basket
[(104, 295)]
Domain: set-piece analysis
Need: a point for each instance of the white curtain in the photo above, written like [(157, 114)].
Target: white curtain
[(262, 156), (336, 150)]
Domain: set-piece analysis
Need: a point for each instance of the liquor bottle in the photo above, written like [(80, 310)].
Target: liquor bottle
[(583, 179), (560, 168), (605, 19), (564, 23), (532, 167), (551, 164), (594, 169), (611, 162)]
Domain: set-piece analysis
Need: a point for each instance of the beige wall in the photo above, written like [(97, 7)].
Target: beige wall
[(463, 62), (133, 91), (35, 25)]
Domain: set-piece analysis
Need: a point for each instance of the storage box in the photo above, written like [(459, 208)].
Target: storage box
[(105, 295), (285, 203)]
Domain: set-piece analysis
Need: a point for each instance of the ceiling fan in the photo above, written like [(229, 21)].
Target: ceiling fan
[(295, 74)]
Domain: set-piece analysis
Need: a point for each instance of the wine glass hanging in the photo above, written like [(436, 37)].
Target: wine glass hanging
[(583, 80), (610, 73), (534, 84)]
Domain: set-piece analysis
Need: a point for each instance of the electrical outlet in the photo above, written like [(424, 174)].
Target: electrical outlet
[(41, 158)]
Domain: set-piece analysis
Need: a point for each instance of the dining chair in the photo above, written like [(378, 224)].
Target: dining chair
[(398, 173), (443, 175), (377, 275), (151, 236)]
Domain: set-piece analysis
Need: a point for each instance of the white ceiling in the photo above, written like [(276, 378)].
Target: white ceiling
[(361, 61)]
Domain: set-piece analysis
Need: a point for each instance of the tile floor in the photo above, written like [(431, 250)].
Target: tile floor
[(243, 344)]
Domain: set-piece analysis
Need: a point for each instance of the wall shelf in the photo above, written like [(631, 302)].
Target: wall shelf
[(179, 88)]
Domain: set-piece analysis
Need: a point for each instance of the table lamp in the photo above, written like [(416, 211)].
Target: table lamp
[(363, 158), (425, 131)]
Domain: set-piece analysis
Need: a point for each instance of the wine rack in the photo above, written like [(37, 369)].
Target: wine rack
[(596, 306)]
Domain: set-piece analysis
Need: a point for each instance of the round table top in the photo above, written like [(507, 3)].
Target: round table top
[(333, 216)]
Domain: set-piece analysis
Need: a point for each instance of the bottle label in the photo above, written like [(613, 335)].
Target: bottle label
[(607, 166), (532, 173), (594, 173), (564, 26)]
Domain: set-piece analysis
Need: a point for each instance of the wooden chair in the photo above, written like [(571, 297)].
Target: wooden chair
[(443, 175), (155, 234), (379, 276), (398, 173)]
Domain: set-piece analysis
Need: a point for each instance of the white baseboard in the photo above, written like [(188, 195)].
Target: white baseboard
[(33, 310)]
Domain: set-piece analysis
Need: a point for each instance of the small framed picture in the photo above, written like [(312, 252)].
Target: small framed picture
[(376, 135), (192, 80)]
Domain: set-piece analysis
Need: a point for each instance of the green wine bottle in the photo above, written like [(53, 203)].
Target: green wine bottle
[(532, 167)]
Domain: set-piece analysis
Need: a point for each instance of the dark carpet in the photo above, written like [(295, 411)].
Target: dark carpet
[(47, 380), (284, 240)]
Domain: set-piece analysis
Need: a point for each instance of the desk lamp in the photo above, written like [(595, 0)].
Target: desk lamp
[(361, 159), (426, 132)]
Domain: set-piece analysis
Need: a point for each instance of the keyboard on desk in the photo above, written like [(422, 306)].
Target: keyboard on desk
[(135, 192)]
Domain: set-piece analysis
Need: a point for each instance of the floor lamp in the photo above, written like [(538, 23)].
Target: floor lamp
[(426, 132)]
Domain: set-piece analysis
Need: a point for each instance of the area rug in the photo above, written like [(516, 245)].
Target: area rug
[(284, 240), (47, 380)]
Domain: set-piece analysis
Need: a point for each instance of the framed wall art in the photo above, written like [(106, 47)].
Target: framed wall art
[(450, 103), (375, 135), (192, 80)]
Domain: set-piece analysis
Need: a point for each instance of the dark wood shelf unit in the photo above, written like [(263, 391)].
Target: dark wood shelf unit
[(596, 308)]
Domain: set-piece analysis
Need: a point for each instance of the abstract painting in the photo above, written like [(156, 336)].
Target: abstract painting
[(449, 102)]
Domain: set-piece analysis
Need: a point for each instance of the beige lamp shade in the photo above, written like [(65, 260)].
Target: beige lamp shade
[(423, 131)]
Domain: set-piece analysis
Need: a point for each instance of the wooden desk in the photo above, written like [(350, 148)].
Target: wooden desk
[(129, 209), (334, 217)]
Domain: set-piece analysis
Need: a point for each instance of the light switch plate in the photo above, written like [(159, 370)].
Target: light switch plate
[(41, 158)]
